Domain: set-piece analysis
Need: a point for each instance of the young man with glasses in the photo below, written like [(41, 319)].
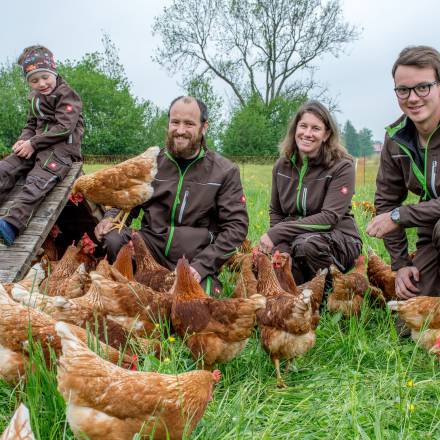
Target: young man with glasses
[(410, 161)]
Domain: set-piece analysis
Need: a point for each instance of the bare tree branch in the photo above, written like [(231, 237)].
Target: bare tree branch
[(257, 47)]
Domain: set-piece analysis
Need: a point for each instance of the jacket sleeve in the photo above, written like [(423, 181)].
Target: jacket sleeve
[(67, 113), (233, 225), (29, 130), (420, 214), (275, 211), (336, 203), (390, 193)]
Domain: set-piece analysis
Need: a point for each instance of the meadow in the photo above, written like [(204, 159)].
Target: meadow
[(360, 381)]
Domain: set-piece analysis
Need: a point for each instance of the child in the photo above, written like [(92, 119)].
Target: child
[(48, 144)]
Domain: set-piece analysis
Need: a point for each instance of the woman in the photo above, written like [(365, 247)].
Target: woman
[(312, 186)]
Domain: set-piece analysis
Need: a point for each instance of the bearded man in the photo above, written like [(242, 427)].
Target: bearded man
[(198, 208)]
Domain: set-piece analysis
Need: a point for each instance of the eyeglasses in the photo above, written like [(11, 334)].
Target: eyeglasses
[(421, 90)]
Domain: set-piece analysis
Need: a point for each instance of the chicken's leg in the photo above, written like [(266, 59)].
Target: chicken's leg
[(280, 381), (119, 225)]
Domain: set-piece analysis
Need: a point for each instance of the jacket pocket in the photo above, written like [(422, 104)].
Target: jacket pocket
[(58, 166)]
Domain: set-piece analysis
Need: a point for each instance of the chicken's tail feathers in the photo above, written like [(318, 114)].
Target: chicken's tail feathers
[(20, 426)]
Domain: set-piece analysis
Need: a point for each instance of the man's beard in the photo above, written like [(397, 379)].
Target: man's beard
[(189, 150)]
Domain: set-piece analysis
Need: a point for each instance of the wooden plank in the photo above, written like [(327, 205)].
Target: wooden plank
[(16, 260)]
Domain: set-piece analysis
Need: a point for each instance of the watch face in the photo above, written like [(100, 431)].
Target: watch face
[(395, 215)]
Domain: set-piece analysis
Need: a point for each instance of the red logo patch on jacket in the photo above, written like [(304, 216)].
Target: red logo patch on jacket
[(52, 165), (243, 199), (69, 108), (344, 190)]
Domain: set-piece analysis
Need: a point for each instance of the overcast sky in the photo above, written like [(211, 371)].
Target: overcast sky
[(359, 79)]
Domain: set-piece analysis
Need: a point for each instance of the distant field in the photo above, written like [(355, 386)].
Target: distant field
[(359, 381)]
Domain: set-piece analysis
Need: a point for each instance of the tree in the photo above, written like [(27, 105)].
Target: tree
[(351, 139), (257, 47), (13, 106), (256, 129), (365, 140), (116, 122)]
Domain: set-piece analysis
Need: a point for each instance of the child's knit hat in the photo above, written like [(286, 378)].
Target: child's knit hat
[(37, 59)]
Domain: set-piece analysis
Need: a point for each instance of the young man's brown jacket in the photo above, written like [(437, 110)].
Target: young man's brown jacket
[(404, 166), (199, 213), (55, 119), (310, 197)]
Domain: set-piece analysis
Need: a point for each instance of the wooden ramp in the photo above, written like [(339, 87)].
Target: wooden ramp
[(16, 260)]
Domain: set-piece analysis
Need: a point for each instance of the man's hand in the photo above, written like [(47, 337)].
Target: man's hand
[(103, 228), (404, 286), (266, 244), (381, 225), (24, 149), (195, 274)]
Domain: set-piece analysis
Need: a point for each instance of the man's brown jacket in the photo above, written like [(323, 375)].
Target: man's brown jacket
[(200, 213), (404, 166)]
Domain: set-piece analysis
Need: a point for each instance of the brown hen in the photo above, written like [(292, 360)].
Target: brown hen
[(214, 330), (69, 278), (246, 285), (105, 402), (134, 306), (422, 315), (286, 321), (148, 270), (282, 263), (16, 321), (381, 276), (348, 289), (123, 186)]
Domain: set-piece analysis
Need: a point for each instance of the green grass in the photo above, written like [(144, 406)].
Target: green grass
[(358, 382)]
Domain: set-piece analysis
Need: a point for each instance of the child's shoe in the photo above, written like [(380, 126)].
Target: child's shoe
[(7, 233)]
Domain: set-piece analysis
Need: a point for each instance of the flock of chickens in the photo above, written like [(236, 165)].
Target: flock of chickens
[(62, 302)]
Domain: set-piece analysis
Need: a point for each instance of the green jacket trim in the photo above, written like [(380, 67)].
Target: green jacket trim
[(420, 176), (177, 198), (302, 173), (208, 285), (32, 106), (314, 227)]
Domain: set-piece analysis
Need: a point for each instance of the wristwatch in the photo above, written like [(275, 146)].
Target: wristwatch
[(395, 215)]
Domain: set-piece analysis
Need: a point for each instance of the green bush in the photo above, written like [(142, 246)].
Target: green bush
[(256, 129)]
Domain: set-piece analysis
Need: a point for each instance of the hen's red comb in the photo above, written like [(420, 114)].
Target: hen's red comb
[(135, 363)]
